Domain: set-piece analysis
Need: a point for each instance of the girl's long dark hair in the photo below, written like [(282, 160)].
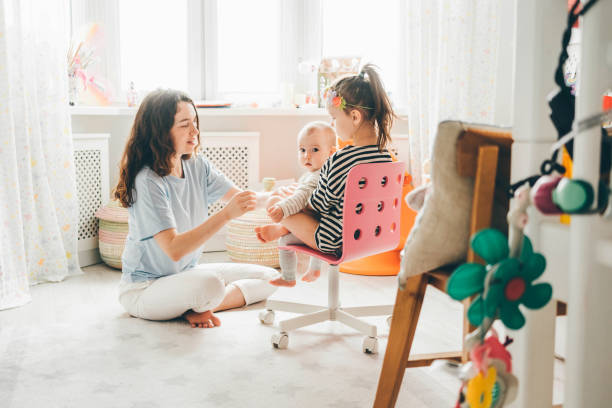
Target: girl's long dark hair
[(150, 143), (366, 93)]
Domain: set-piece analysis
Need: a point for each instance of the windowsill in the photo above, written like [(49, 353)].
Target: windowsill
[(131, 111), (117, 110)]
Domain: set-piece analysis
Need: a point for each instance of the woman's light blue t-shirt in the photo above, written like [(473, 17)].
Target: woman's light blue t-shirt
[(168, 202)]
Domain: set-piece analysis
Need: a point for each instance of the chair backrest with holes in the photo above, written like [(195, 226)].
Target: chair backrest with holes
[(372, 209)]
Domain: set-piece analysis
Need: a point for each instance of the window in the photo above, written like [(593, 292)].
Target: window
[(248, 48), (153, 41), (240, 50), (366, 29)]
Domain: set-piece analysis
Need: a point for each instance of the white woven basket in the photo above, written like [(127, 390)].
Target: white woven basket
[(242, 244)]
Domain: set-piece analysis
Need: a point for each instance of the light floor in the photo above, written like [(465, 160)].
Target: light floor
[(74, 346)]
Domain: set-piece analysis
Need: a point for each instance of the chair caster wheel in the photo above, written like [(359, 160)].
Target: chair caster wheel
[(370, 345), (280, 340), (266, 316)]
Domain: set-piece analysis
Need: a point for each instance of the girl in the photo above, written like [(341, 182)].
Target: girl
[(361, 111), (167, 188)]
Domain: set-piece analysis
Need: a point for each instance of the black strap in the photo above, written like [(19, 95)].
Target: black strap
[(547, 167), (572, 17), (564, 99)]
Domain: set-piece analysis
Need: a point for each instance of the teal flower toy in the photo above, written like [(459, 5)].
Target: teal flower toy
[(503, 284)]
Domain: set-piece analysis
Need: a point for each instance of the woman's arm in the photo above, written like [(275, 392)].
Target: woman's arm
[(260, 197), (177, 245), (230, 193)]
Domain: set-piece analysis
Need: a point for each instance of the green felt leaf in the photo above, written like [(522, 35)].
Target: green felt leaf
[(511, 316), (526, 250), (476, 311), (491, 245), (466, 280), (537, 296), (493, 299), (534, 267), (507, 269)]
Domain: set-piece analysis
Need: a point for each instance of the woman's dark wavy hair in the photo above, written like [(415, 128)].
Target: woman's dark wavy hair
[(366, 90), (150, 143)]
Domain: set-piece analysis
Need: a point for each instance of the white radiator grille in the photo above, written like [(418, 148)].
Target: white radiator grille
[(91, 166), (232, 161), (89, 191)]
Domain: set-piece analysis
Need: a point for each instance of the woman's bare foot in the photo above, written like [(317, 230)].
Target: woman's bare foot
[(203, 320), (270, 232), (311, 275), (282, 282)]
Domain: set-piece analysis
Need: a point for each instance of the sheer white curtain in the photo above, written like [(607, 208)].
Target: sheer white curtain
[(451, 60), (38, 199)]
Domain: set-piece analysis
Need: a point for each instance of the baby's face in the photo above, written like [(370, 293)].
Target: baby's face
[(314, 149)]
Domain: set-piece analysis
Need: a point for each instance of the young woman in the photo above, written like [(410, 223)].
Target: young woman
[(167, 187)]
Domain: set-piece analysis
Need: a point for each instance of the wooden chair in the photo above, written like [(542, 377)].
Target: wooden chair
[(485, 156)]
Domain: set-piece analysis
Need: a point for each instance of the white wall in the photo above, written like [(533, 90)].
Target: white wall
[(278, 154)]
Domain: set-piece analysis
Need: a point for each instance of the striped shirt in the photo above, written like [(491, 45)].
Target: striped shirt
[(328, 198)]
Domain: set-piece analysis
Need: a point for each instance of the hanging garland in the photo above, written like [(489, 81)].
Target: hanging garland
[(506, 282)]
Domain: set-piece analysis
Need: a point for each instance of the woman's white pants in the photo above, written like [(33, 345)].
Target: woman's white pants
[(199, 289)]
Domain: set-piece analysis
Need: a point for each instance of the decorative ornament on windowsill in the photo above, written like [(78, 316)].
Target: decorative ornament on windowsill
[(306, 96), (82, 84), (501, 286), (132, 95)]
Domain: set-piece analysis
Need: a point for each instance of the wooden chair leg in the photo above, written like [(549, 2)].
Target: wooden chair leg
[(403, 326)]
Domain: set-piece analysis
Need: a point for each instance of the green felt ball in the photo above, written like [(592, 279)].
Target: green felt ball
[(573, 196)]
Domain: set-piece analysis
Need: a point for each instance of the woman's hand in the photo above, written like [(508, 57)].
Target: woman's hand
[(275, 213), (240, 203)]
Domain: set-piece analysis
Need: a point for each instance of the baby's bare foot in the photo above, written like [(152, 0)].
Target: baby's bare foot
[(270, 232), (311, 275), (203, 320), (282, 282)]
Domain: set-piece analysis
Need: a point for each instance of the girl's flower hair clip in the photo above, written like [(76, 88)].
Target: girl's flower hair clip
[(338, 101)]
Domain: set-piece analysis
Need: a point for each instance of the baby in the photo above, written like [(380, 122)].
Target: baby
[(316, 142)]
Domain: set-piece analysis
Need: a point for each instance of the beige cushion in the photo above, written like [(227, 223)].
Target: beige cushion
[(440, 235)]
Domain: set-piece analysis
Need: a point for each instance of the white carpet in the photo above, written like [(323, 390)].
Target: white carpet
[(74, 346)]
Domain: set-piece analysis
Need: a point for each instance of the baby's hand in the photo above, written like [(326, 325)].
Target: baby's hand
[(286, 191), (275, 213)]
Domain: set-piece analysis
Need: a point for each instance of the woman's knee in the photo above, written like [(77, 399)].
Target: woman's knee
[(209, 292)]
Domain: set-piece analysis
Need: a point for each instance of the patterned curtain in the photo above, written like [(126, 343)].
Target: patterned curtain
[(452, 55), (38, 201)]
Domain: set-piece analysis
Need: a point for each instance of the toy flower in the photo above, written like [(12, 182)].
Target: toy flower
[(336, 100), (489, 349), (479, 392), (503, 284)]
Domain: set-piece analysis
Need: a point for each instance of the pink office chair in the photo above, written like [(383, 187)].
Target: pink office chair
[(371, 225)]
